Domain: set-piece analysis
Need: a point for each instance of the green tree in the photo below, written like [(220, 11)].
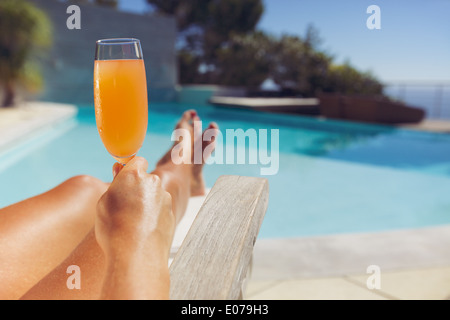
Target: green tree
[(298, 66), (219, 45), (246, 60), (107, 3), (205, 27), (295, 63), (186, 12), (346, 79), (23, 28)]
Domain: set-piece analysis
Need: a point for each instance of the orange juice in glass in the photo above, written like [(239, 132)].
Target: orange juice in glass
[(120, 94)]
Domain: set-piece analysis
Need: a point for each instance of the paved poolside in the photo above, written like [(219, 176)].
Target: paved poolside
[(19, 123), (414, 263), (441, 126)]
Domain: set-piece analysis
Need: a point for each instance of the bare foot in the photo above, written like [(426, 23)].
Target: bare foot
[(195, 170)]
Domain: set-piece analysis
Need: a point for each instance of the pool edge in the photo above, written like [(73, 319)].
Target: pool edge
[(24, 121)]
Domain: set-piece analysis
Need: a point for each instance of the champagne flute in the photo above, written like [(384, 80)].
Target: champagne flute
[(120, 94)]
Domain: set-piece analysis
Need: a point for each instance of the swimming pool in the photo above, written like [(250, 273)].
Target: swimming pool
[(333, 177)]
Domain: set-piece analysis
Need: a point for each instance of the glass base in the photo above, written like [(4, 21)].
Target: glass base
[(123, 160)]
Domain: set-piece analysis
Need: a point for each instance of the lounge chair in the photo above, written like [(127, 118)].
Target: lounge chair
[(213, 260)]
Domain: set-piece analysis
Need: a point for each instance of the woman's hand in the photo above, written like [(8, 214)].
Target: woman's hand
[(134, 227)]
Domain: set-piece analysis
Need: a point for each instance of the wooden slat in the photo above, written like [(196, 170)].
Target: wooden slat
[(215, 255)]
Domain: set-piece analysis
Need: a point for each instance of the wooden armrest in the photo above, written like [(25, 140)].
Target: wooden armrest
[(214, 258)]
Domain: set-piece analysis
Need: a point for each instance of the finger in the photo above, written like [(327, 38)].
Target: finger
[(137, 163), (116, 169)]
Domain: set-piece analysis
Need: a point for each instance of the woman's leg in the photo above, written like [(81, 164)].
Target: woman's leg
[(89, 260), (181, 181), (37, 234)]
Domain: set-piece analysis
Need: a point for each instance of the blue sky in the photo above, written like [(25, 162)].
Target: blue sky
[(412, 44)]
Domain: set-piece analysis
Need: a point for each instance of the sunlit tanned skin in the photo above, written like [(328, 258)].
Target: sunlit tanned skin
[(118, 234), (134, 228)]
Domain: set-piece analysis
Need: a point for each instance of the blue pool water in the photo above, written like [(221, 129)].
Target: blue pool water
[(333, 176)]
